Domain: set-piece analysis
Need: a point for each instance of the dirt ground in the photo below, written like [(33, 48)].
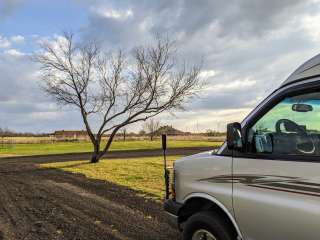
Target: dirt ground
[(46, 204)]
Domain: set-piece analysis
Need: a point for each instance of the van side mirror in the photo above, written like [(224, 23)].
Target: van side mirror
[(234, 136)]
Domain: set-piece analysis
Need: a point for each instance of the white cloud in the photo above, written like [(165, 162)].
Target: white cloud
[(14, 53), (40, 116), (113, 13), (17, 39), (312, 24), (233, 85), (4, 42), (205, 74)]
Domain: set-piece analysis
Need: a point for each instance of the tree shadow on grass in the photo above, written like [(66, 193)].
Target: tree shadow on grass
[(147, 203), (99, 184), (123, 198)]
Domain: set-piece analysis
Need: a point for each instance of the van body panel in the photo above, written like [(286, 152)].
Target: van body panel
[(277, 199), (194, 175)]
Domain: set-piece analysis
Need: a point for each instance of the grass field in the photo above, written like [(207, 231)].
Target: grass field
[(143, 174), (77, 147)]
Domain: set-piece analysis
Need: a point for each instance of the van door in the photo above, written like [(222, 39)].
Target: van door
[(276, 188)]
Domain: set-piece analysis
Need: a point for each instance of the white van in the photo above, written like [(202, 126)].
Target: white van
[(264, 182)]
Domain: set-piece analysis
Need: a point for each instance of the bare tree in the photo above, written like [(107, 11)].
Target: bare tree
[(124, 133), (114, 90), (151, 126)]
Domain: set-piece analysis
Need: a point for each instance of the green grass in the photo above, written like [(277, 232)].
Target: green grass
[(72, 147), (143, 174)]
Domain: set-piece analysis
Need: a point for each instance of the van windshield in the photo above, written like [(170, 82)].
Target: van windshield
[(283, 110), (291, 127)]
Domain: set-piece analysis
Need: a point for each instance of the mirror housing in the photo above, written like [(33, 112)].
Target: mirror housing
[(234, 136), (302, 107)]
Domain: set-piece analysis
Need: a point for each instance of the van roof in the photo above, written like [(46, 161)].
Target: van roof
[(310, 68)]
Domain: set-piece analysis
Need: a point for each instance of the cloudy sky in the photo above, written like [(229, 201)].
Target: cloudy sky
[(248, 47)]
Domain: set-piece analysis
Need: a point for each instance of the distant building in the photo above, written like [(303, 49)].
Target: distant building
[(70, 135), (170, 131)]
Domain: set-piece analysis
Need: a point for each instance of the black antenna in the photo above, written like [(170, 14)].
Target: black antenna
[(166, 171)]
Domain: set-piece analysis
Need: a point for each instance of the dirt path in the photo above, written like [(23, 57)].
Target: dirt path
[(46, 204)]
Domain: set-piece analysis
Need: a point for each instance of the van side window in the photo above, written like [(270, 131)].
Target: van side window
[(290, 127)]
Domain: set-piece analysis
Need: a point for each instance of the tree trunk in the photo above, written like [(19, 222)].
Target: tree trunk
[(94, 158), (106, 148), (96, 155)]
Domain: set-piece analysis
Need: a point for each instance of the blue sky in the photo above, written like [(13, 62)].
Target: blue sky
[(249, 47), (44, 17)]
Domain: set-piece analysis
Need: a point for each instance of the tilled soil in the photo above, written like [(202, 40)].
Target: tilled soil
[(46, 204)]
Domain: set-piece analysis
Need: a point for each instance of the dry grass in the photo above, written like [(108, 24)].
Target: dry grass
[(25, 140)]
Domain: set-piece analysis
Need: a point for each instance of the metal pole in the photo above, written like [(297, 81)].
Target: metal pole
[(166, 174)]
